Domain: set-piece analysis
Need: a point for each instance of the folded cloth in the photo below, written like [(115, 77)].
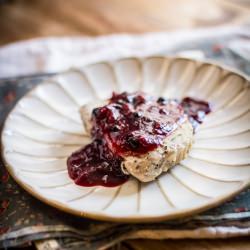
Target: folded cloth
[(25, 219), (56, 54)]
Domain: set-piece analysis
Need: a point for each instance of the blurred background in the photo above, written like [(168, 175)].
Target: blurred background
[(24, 19)]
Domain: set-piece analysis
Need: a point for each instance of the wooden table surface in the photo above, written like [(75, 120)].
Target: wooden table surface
[(24, 19)]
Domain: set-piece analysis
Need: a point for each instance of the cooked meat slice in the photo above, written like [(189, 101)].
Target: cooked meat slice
[(174, 149), (146, 167)]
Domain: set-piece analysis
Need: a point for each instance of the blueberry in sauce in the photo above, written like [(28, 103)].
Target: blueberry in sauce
[(195, 109)]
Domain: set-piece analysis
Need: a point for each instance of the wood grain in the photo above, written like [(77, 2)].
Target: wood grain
[(24, 19)]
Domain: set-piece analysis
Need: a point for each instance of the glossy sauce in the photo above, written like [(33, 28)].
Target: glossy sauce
[(196, 110), (95, 164), (130, 124)]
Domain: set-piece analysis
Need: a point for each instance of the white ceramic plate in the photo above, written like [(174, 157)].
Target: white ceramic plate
[(45, 127)]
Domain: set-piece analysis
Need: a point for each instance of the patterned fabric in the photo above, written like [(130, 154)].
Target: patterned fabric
[(25, 219)]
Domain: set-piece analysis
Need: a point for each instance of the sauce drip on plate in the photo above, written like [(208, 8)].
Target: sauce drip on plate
[(95, 164), (130, 124), (195, 109)]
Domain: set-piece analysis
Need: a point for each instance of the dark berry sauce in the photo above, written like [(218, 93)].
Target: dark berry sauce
[(196, 110), (130, 124), (95, 164), (133, 124)]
